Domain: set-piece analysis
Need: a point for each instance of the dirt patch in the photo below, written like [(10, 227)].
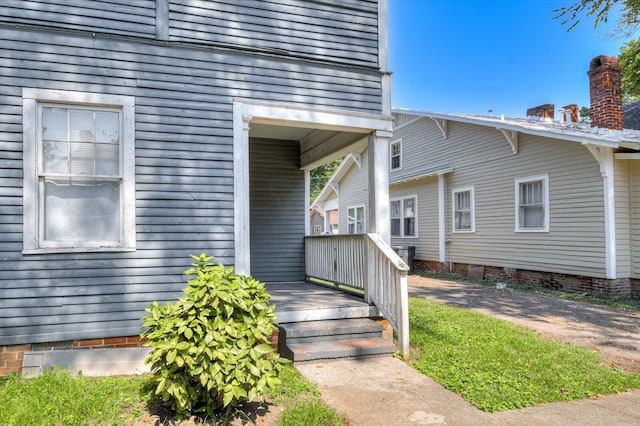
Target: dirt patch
[(612, 332)]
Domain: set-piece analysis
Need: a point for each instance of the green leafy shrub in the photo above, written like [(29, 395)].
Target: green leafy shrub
[(209, 349)]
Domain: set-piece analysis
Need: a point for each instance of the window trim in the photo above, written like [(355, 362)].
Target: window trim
[(415, 217), (472, 208), (31, 98), (364, 219), (391, 144), (545, 183)]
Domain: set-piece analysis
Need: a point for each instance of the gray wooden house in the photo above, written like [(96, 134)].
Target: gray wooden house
[(135, 133), (534, 201)]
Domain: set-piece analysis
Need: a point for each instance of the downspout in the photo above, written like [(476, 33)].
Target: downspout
[(604, 157)]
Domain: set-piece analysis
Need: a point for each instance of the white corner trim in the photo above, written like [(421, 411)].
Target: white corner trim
[(441, 219), (604, 156)]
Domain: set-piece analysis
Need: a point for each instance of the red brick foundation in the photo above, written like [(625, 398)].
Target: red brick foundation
[(622, 288), (11, 356)]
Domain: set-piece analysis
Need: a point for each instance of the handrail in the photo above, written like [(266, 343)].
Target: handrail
[(389, 252), (387, 288)]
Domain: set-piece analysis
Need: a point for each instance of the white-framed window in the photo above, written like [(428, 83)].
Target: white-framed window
[(317, 229), (355, 220), (395, 155), (404, 215), (463, 206), (79, 171), (532, 204)]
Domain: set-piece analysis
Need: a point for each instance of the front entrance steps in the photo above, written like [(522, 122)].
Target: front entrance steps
[(332, 339)]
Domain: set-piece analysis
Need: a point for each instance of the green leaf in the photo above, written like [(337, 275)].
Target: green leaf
[(171, 356)]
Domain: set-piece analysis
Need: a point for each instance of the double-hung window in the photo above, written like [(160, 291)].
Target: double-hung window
[(79, 172), (532, 204), (463, 210), (355, 220), (403, 212), (395, 155)]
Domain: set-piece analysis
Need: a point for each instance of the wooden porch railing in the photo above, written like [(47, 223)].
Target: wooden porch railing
[(367, 263)]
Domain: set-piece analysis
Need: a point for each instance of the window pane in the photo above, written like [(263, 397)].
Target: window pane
[(395, 208), (107, 159), (409, 207), (82, 158), (409, 227), (463, 200), (463, 220), (395, 227), (55, 157), (395, 162), (107, 127), (395, 149), (532, 217), (81, 211), (54, 124), (81, 123), (531, 193)]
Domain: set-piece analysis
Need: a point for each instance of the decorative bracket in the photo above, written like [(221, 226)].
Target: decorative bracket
[(512, 137), (336, 188), (357, 158), (443, 125), (601, 154)]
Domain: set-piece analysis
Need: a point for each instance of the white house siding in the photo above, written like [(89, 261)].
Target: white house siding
[(184, 169), (623, 218), (353, 192), (427, 224), (482, 158)]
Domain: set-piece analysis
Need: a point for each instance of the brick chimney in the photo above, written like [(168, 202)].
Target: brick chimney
[(542, 112), (570, 113), (605, 91)]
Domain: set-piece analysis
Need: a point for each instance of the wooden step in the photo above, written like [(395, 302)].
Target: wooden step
[(332, 349), (331, 339)]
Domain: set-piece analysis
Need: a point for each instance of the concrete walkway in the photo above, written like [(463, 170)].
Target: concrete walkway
[(386, 391)]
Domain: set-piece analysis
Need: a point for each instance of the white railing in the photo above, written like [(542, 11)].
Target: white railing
[(340, 259), (364, 262)]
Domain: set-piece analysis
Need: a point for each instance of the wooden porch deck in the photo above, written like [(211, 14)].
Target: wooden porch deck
[(304, 301)]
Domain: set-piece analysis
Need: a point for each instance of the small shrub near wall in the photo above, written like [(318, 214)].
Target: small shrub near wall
[(210, 349)]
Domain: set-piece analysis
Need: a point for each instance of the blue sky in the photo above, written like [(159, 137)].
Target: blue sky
[(469, 56)]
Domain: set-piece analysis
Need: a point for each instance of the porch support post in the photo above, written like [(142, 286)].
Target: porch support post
[(379, 185), (241, 190), (307, 201)]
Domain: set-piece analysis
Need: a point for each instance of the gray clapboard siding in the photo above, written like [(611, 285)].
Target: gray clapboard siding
[(323, 31), (277, 210), (184, 154), (111, 16)]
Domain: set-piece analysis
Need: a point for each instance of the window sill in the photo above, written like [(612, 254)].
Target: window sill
[(54, 250), (527, 231)]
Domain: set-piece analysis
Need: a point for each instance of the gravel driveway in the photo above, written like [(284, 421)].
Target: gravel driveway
[(613, 332)]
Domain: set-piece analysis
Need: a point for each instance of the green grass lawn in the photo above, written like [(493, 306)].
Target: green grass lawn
[(58, 398), (496, 365)]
